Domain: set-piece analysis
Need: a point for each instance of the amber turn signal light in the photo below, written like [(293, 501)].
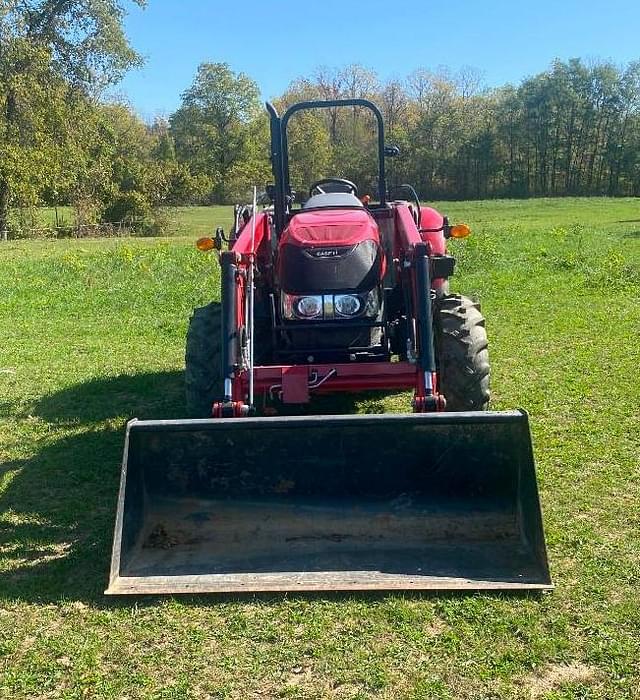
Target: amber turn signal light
[(459, 231), (206, 243)]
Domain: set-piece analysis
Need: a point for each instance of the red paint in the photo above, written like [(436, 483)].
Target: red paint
[(348, 376), (407, 234), (242, 244), (295, 384), (333, 228), (432, 219), (336, 227)]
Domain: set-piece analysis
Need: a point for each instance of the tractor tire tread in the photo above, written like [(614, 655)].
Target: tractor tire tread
[(203, 359), (462, 353)]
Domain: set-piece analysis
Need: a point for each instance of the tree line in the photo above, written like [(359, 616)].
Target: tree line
[(573, 129)]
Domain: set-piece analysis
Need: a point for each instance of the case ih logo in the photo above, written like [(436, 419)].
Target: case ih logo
[(325, 252)]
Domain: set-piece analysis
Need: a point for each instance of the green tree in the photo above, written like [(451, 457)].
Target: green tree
[(51, 53), (220, 131)]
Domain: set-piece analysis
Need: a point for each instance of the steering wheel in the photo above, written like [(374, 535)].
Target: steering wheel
[(338, 185)]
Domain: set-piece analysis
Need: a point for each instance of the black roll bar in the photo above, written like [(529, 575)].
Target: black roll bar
[(280, 152), (277, 167)]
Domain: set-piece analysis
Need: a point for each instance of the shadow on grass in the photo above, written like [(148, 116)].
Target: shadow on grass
[(147, 395), (59, 505)]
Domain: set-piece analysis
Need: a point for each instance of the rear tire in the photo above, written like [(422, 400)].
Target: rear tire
[(462, 354), (203, 361)]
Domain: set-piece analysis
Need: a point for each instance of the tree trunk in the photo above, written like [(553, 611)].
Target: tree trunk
[(4, 209), (10, 118)]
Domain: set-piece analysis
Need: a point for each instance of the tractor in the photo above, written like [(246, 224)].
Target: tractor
[(342, 294)]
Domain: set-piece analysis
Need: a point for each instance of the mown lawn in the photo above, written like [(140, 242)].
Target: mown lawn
[(92, 332)]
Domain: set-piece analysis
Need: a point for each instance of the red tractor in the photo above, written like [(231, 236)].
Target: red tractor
[(338, 295), (340, 292)]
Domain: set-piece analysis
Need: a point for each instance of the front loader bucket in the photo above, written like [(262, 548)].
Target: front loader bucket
[(365, 502)]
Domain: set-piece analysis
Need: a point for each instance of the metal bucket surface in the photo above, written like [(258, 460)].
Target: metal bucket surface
[(360, 502)]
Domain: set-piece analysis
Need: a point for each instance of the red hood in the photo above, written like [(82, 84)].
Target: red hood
[(337, 227)]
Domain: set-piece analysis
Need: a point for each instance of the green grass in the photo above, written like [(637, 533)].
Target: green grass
[(181, 221), (92, 332), (41, 218), (199, 221)]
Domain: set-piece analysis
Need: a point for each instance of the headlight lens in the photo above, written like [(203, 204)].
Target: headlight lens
[(347, 304), (318, 307), (309, 307)]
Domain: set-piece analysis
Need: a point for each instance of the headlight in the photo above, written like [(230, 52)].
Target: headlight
[(318, 307), (347, 304), (309, 307)]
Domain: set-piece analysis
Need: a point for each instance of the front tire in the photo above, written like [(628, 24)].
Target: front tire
[(203, 361), (462, 354)]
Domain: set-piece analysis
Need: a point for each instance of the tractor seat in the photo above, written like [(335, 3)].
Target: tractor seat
[(337, 200)]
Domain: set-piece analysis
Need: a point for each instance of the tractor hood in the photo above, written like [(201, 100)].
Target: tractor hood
[(330, 250), (330, 227)]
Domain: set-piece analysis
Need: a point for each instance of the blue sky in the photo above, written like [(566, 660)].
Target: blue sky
[(275, 41)]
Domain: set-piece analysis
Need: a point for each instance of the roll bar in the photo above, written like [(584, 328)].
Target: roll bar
[(280, 149)]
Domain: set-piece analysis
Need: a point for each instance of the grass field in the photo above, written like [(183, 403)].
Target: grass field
[(40, 223), (92, 333)]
